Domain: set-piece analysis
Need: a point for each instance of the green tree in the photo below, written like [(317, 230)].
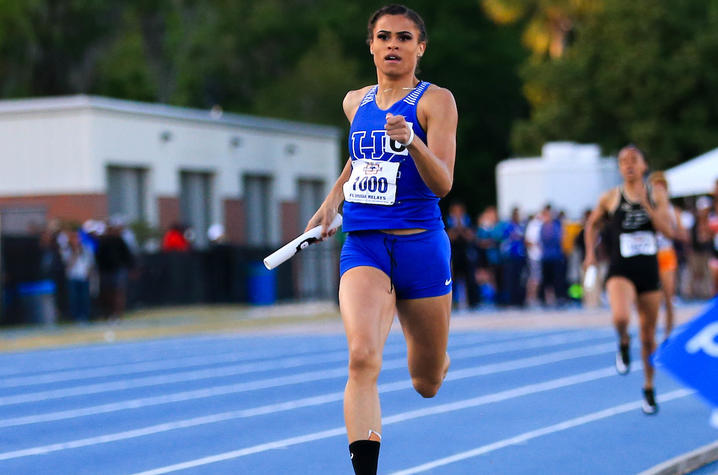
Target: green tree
[(642, 72), (321, 92), (124, 70), (234, 49), (52, 47), (287, 58), (478, 61)]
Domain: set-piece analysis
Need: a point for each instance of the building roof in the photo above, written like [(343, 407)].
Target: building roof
[(59, 103)]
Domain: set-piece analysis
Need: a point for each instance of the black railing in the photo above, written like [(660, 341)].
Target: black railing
[(219, 274)]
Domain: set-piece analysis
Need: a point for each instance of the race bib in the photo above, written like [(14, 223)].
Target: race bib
[(372, 182), (638, 243)]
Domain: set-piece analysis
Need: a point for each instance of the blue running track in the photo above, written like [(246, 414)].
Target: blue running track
[(514, 402)]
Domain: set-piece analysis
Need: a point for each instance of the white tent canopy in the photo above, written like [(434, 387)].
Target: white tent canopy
[(694, 177)]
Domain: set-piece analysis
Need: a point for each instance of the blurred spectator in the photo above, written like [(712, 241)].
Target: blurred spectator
[(533, 252), (215, 234), (713, 227), (571, 229), (488, 237), (119, 221), (579, 244), (175, 240), (463, 253), (683, 246), (90, 233), (513, 261), (79, 267), (114, 260), (553, 262), (701, 285), (51, 266)]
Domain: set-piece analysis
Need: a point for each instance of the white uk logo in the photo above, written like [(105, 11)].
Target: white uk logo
[(705, 340)]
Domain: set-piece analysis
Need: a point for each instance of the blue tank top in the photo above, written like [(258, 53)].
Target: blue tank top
[(416, 206)]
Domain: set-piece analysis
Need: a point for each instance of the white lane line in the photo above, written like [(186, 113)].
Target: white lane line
[(146, 366), (210, 355), (179, 377), (41, 362), (234, 370), (405, 416), (159, 428), (552, 429), (201, 360), (249, 386), (162, 365), (305, 402), (60, 359)]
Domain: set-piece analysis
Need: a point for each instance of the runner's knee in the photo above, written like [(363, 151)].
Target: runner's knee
[(648, 340), (425, 386), (621, 318), (364, 362)]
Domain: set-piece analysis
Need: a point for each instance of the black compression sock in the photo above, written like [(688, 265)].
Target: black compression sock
[(365, 456)]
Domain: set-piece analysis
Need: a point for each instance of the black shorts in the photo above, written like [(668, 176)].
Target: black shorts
[(642, 273)]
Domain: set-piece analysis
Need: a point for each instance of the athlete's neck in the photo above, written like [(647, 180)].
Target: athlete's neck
[(391, 90), (634, 189)]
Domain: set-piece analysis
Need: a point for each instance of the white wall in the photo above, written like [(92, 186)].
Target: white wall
[(64, 145), (569, 176), (45, 153)]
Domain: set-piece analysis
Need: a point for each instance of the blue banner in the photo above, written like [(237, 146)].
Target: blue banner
[(691, 354)]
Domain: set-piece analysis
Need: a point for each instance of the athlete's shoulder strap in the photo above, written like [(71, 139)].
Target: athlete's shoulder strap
[(622, 196), (369, 96), (416, 94), (619, 189)]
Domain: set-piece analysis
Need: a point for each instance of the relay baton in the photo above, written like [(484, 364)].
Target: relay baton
[(285, 252)]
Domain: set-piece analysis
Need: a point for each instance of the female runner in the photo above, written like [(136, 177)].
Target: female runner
[(396, 258), (635, 212)]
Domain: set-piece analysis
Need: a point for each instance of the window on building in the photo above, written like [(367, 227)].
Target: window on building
[(127, 192), (195, 203), (316, 263), (310, 196), (257, 201)]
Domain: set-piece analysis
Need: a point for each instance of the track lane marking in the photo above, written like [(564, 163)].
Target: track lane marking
[(547, 430), (228, 389), (287, 363), (401, 417), (225, 357), (315, 401)]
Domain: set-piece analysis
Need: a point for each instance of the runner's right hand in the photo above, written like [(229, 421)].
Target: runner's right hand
[(324, 217)]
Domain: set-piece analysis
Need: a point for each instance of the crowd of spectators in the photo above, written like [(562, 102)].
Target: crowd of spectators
[(89, 267), (535, 260), (522, 260)]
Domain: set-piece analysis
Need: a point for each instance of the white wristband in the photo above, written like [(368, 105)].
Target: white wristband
[(411, 137)]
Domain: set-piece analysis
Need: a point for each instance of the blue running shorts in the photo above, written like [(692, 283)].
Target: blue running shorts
[(417, 264)]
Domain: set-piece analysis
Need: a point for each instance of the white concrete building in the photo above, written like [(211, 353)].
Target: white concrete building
[(81, 157), (84, 157), (569, 176)]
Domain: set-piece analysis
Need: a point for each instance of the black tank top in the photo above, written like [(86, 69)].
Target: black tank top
[(633, 237)]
